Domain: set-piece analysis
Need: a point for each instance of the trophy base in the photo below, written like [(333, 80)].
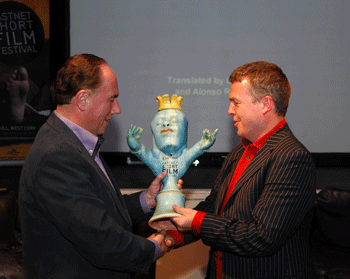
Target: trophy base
[(164, 210)]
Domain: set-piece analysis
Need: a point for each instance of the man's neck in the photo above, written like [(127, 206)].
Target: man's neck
[(268, 126), (67, 113), (62, 111), (272, 123)]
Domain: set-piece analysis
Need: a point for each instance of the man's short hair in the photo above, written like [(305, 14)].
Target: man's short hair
[(265, 79), (81, 71)]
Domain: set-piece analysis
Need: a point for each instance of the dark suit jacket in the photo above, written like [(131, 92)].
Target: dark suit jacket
[(74, 224), (264, 231)]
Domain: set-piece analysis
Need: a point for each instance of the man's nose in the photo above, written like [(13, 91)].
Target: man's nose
[(230, 110), (116, 108)]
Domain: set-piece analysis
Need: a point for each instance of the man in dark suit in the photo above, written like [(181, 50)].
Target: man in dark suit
[(75, 222), (257, 217)]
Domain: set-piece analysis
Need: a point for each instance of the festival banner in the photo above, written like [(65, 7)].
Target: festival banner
[(24, 75)]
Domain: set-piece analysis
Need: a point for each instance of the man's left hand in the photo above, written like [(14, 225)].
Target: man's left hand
[(184, 222), (156, 186)]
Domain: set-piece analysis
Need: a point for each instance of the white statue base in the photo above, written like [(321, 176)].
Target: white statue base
[(164, 209)]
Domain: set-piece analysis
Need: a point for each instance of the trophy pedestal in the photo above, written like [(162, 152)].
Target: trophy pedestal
[(164, 209)]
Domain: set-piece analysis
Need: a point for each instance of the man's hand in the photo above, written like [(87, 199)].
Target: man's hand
[(184, 222), (133, 138), (165, 241), (169, 241), (155, 187)]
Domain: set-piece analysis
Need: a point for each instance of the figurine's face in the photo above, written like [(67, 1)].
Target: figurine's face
[(169, 128)]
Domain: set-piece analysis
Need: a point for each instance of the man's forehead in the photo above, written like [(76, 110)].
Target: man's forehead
[(237, 88)]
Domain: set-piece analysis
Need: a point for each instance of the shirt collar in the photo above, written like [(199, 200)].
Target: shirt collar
[(91, 142), (261, 141)]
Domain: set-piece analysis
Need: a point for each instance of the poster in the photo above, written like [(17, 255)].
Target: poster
[(24, 75)]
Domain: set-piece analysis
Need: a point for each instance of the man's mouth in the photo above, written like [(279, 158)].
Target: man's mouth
[(166, 131)]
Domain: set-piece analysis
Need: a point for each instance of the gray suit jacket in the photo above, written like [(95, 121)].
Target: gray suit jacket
[(74, 224), (264, 231)]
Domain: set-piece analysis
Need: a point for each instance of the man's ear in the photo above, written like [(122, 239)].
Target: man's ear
[(82, 99), (268, 104)]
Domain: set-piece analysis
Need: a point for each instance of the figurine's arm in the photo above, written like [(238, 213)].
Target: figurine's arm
[(144, 154), (203, 145), (207, 139), (133, 138)]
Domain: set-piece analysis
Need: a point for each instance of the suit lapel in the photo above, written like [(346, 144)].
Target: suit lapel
[(258, 161), (120, 202), (114, 190), (228, 173)]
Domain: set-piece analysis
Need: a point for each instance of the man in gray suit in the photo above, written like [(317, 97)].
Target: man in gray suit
[(75, 221), (258, 214)]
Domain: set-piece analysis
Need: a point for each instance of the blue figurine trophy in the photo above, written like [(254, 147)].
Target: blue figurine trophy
[(170, 153)]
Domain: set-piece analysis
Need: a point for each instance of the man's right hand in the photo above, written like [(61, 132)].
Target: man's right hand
[(166, 242)]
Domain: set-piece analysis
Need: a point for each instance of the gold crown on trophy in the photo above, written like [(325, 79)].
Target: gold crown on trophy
[(164, 103)]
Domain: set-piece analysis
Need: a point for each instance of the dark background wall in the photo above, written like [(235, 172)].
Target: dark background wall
[(333, 170)]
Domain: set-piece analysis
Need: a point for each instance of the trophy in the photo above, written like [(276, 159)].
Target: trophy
[(170, 153)]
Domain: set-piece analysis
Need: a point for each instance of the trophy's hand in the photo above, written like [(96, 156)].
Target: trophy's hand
[(208, 138), (133, 138)]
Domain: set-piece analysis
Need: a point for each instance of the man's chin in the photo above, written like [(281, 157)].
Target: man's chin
[(239, 133), (102, 130)]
